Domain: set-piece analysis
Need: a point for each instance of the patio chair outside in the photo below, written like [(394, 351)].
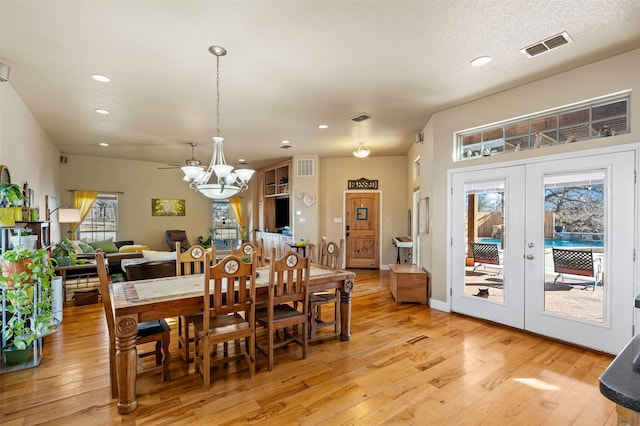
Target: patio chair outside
[(576, 262), (486, 254)]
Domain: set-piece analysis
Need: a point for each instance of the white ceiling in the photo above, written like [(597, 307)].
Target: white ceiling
[(291, 65)]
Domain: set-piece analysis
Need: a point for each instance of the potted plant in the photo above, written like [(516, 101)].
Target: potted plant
[(64, 253), (210, 239), (22, 236), (11, 197), (26, 286)]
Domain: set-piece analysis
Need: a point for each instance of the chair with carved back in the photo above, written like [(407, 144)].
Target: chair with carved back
[(330, 255), (157, 332), (288, 278), (228, 316), (247, 249), (188, 262)]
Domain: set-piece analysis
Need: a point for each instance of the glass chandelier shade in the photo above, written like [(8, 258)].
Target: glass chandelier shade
[(228, 182), (363, 151)]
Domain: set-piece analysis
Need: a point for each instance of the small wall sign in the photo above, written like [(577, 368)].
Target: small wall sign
[(362, 183), (362, 213)]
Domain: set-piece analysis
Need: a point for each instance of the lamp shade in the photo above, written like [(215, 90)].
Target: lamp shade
[(69, 216), (218, 191)]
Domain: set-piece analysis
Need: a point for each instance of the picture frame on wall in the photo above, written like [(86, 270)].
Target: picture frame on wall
[(423, 218), (165, 207)]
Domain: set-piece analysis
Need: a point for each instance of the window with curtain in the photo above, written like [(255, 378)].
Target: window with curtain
[(225, 225), (101, 222)]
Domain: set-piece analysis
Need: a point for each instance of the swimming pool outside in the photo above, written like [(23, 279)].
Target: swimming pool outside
[(548, 243)]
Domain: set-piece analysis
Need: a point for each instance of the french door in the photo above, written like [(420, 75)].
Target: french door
[(582, 208)]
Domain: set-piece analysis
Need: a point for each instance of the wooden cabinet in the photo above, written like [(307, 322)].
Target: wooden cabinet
[(408, 283), (41, 229), (272, 240), (273, 197), (276, 180)]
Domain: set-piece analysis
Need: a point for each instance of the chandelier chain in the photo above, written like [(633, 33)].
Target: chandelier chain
[(218, 95)]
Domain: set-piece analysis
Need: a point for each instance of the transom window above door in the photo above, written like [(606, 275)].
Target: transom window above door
[(602, 117)]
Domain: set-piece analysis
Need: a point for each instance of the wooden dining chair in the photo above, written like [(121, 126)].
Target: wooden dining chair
[(330, 255), (191, 261), (148, 332), (229, 315), (247, 249), (288, 277)]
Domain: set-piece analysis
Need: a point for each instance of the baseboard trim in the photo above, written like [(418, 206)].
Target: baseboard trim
[(438, 305)]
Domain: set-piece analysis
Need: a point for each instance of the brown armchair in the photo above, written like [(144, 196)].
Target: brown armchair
[(173, 236)]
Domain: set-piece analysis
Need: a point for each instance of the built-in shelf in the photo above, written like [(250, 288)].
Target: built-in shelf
[(276, 181)]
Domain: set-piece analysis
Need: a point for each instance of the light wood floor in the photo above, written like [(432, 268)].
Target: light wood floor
[(405, 364)]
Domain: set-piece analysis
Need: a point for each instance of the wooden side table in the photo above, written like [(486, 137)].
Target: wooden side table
[(408, 283)]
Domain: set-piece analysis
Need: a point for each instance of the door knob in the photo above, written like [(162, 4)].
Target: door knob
[(530, 256)]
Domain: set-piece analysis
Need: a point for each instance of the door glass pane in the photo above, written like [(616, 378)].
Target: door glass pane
[(574, 232), (484, 232)]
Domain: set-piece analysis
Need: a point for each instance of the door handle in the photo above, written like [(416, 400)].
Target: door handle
[(529, 256)]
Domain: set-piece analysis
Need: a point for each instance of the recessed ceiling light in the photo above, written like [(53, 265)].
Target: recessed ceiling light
[(481, 60), (286, 142), (323, 126), (100, 78), (102, 111), (241, 160), (103, 144)]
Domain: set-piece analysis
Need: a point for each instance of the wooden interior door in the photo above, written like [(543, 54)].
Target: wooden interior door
[(362, 229)]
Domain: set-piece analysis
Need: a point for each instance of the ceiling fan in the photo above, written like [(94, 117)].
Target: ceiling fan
[(190, 162)]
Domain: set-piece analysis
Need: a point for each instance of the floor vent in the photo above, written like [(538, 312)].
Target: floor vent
[(547, 45), (305, 167)]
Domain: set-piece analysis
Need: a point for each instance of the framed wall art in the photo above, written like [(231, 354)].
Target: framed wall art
[(164, 207), (423, 218)]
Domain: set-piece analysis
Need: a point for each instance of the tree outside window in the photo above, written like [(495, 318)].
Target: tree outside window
[(101, 222), (225, 226)]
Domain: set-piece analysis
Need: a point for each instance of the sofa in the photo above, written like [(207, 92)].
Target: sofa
[(126, 250), (150, 269), (151, 264)]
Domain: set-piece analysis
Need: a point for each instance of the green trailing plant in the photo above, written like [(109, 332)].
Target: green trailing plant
[(10, 195), (64, 253), (22, 232), (26, 283)]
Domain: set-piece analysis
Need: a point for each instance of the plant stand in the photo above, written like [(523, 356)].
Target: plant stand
[(36, 353), (34, 359)]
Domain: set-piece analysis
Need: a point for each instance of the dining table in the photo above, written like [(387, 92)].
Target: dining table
[(153, 299)]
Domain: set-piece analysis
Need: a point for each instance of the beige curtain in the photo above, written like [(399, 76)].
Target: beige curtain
[(82, 200), (234, 202)]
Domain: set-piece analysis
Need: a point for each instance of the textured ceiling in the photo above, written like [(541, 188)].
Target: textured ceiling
[(291, 66)]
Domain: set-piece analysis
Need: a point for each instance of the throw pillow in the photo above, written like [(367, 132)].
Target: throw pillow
[(158, 255), (86, 248), (107, 246), (130, 248), (74, 245)]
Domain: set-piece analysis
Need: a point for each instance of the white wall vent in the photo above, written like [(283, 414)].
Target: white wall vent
[(547, 45), (305, 167)]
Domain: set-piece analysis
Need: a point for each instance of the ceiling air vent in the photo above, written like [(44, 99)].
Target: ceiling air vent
[(547, 45), (361, 117)]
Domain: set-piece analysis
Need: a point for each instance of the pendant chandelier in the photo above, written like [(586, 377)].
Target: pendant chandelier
[(363, 151), (228, 182)]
